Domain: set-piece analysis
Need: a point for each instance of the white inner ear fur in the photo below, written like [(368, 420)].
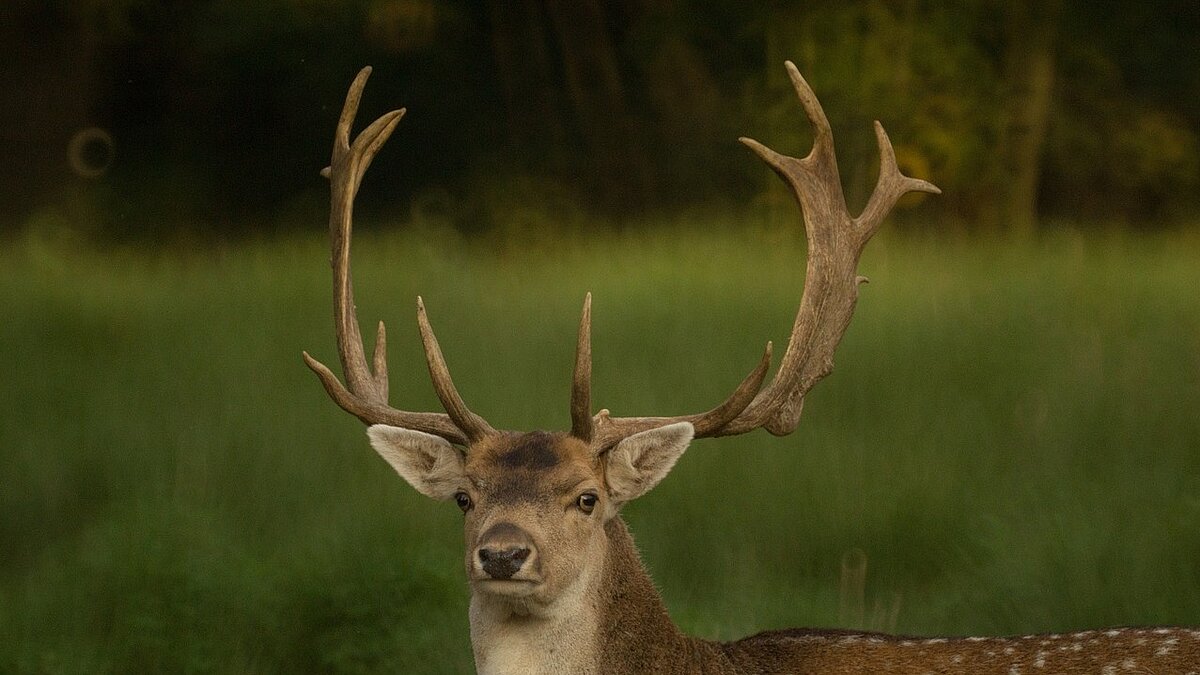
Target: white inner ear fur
[(429, 463), (640, 461)]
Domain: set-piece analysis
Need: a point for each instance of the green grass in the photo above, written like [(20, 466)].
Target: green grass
[(1011, 435)]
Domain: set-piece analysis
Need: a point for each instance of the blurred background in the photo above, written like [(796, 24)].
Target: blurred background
[(214, 113), (1009, 443)]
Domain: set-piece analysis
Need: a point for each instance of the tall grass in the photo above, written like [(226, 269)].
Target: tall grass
[(1011, 436)]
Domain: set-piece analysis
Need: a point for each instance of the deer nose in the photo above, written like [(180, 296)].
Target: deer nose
[(503, 549), (502, 563)]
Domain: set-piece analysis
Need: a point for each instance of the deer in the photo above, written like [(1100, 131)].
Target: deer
[(556, 581)]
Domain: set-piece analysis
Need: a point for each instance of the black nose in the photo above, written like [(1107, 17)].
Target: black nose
[(504, 563)]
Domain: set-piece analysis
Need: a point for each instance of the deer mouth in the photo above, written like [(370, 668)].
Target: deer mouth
[(516, 588)]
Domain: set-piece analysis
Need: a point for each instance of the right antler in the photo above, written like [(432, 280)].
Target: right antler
[(835, 242), (365, 393)]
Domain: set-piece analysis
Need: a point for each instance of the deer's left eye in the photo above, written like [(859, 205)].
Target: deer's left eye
[(587, 502)]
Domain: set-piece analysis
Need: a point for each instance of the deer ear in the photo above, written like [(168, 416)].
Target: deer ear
[(429, 463), (638, 462)]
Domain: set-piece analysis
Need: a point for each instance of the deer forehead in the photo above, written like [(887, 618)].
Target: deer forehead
[(529, 466)]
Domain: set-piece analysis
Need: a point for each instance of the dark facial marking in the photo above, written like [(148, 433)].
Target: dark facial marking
[(524, 465), (533, 452)]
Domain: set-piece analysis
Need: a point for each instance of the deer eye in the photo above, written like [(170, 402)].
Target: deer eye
[(463, 500), (587, 502)]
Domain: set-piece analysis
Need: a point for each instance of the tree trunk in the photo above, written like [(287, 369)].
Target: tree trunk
[(1030, 97), (520, 45), (597, 95), (52, 94)]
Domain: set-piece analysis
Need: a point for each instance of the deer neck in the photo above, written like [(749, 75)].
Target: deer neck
[(611, 620)]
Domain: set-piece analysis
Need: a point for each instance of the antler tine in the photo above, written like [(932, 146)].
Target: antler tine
[(581, 382), (379, 361), (890, 187), (608, 430), (474, 426), (817, 173), (366, 390), (822, 130), (835, 242), (369, 412)]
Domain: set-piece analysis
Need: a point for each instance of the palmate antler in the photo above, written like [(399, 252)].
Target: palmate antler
[(835, 243)]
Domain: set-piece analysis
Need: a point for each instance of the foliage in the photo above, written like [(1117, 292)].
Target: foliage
[(223, 110), (1112, 156)]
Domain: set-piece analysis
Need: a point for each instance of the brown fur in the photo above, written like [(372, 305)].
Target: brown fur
[(639, 637), (582, 601)]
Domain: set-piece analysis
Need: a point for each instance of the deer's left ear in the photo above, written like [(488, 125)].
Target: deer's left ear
[(640, 461)]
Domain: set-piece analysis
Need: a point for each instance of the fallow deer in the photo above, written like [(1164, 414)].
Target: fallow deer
[(556, 583)]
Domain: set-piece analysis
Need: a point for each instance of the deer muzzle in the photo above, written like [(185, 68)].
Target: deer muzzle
[(503, 550)]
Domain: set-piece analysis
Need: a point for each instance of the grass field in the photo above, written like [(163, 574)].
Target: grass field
[(1011, 435)]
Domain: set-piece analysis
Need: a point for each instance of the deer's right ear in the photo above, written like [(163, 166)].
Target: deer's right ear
[(429, 463)]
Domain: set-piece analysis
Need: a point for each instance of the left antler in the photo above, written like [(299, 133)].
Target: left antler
[(835, 243)]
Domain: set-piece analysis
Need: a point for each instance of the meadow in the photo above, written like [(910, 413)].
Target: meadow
[(1011, 436)]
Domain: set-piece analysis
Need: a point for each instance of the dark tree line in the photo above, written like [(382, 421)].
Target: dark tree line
[(221, 111)]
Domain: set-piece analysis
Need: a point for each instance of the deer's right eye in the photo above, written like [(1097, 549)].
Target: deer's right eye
[(463, 500)]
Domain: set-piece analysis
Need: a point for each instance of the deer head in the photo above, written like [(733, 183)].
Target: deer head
[(536, 503)]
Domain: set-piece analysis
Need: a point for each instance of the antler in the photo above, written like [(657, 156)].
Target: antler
[(365, 392), (835, 243)]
